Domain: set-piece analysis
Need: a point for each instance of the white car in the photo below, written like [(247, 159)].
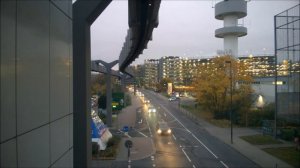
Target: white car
[(152, 110), (172, 98)]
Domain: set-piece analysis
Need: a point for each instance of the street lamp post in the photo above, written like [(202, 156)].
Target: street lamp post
[(230, 101)]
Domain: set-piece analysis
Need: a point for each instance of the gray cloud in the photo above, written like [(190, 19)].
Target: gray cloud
[(186, 28)]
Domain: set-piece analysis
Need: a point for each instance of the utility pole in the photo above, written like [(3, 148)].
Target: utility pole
[(231, 131)]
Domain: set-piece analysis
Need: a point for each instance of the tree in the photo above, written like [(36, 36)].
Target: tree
[(98, 82), (162, 86), (212, 86)]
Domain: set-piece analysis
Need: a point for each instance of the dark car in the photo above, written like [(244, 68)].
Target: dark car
[(163, 128)]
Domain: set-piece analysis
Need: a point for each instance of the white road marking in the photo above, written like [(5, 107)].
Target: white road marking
[(174, 137), (194, 137), (149, 128), (205, 146), (143, 134), (186, 154), (191, 133), (176, 119), (189, 146), (224, 164), (126, 134)]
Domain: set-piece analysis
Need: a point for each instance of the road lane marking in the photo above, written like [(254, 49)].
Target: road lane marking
[(142, 134), (189, 146), (174, 137), (194, 137), (191, 133), (149, 128), (194, 166), (176, 119), (186, 154), (224, 164), (205, 146)]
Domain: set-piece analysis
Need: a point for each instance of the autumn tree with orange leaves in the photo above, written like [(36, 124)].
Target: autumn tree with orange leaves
[(212, 86)]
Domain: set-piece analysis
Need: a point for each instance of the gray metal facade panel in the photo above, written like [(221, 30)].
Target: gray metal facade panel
[(8, 82), (65, 161), (59, 64), (32, 64), (34, 148), (25, 51), (64, 5), (9, 154), (59, 138)]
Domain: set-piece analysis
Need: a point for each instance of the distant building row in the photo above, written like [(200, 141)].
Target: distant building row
[(180, 69)]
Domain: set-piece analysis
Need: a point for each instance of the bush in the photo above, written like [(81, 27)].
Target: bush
[(111, 148), (287, 134), (102, 117), (113, 141), (255, 117), (95, 148), (108, 152), (127, 100)]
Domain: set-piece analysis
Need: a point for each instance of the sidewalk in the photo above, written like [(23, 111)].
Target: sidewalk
[(252, 152), (142, 146)]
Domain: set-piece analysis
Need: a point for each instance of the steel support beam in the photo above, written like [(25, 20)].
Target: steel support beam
[(84, 14), (95, 67), (108, 75)]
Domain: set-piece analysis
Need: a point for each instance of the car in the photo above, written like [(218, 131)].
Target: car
[(151, 109), (163, 128), (146, 101), (173, 98)]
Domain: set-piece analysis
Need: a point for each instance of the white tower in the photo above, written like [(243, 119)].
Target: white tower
[(230, 11)]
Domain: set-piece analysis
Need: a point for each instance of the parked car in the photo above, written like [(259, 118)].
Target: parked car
[(173, 98)]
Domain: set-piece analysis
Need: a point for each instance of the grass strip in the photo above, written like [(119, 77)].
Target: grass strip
[(260, 139), (288, 154)]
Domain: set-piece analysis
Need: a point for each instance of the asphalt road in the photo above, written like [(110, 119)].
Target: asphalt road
[(189, 145)]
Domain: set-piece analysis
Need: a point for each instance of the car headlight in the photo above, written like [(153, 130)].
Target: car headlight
[(169, 131), (159, 131)]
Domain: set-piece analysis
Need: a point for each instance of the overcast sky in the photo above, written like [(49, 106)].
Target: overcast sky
[(186, 28)]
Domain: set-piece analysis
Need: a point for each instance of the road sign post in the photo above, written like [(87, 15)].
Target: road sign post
[(128, 145)]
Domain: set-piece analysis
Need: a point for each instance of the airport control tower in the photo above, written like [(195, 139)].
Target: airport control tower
[(230, 11)]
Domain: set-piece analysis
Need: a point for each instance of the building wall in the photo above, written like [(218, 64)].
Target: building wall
[(36, 83), (265, 86), (151, 73), (287, 32)]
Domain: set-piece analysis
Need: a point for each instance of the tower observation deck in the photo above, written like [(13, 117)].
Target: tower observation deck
[(230, 11)]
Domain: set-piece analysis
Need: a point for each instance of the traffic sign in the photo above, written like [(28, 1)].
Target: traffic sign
[(128, 144)]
